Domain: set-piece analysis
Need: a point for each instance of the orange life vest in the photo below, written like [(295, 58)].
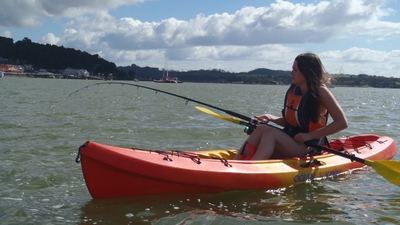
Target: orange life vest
[(297, 111)]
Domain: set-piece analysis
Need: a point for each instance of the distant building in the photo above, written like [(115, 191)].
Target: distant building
[(44, 72), (11, 68), (28, 68), (80, 73), (110, 76)]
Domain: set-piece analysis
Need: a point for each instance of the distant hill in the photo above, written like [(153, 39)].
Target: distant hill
[(52, 57), (258, 76)]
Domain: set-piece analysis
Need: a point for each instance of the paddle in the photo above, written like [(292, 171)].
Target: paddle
[(388, 169), (228, 118), (250, 126)]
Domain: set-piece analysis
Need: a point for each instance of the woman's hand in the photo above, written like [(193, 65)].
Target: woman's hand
[(302, 137), (265, 118)]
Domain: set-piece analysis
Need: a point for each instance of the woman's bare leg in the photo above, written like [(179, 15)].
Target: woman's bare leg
[(254, 139), (277, 144)]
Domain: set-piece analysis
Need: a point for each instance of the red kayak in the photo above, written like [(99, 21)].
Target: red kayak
[(111, 171)]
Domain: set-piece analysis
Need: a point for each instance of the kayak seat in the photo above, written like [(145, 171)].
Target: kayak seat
[(224, 154)]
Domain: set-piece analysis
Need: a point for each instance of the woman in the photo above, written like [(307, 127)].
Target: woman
[(308, 103)]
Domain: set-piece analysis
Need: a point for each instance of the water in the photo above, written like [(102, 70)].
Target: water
[(42, 128)]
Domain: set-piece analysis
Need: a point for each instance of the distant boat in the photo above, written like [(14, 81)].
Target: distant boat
[(165, 77), (136, 79), (1, 74)]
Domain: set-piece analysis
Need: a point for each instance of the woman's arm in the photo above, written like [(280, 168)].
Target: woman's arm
[(335, 111)]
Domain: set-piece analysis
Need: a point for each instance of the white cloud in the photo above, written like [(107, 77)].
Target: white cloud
[(6, 33), (24, 13), (364, 61), (268, 36), (281, 23), (50, 39)]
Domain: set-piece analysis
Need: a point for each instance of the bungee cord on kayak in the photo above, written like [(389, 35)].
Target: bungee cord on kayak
[(168, 154)]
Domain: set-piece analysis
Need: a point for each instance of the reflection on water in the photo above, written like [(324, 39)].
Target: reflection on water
[(305, 202)]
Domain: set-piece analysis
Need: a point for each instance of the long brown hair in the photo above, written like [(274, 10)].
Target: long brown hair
[(314, 72)]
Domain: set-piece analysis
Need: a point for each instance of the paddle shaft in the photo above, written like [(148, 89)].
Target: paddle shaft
[(336, 152)]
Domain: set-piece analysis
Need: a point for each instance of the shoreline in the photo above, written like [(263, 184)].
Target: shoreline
[(18, 75), (48, 76)]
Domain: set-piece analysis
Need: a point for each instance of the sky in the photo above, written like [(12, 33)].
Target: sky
[(350, 36)]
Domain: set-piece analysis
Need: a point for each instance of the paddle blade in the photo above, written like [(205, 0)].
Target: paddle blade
[(206, 111), (228, 118), (389, 169)]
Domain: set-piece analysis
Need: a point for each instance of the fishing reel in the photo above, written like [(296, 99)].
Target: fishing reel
[(251, 126)]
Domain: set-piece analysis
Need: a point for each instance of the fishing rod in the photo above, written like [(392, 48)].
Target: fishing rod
[(250, 123)]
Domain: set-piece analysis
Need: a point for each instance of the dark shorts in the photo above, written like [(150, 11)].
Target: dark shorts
[(293, 131), (290, 132)]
